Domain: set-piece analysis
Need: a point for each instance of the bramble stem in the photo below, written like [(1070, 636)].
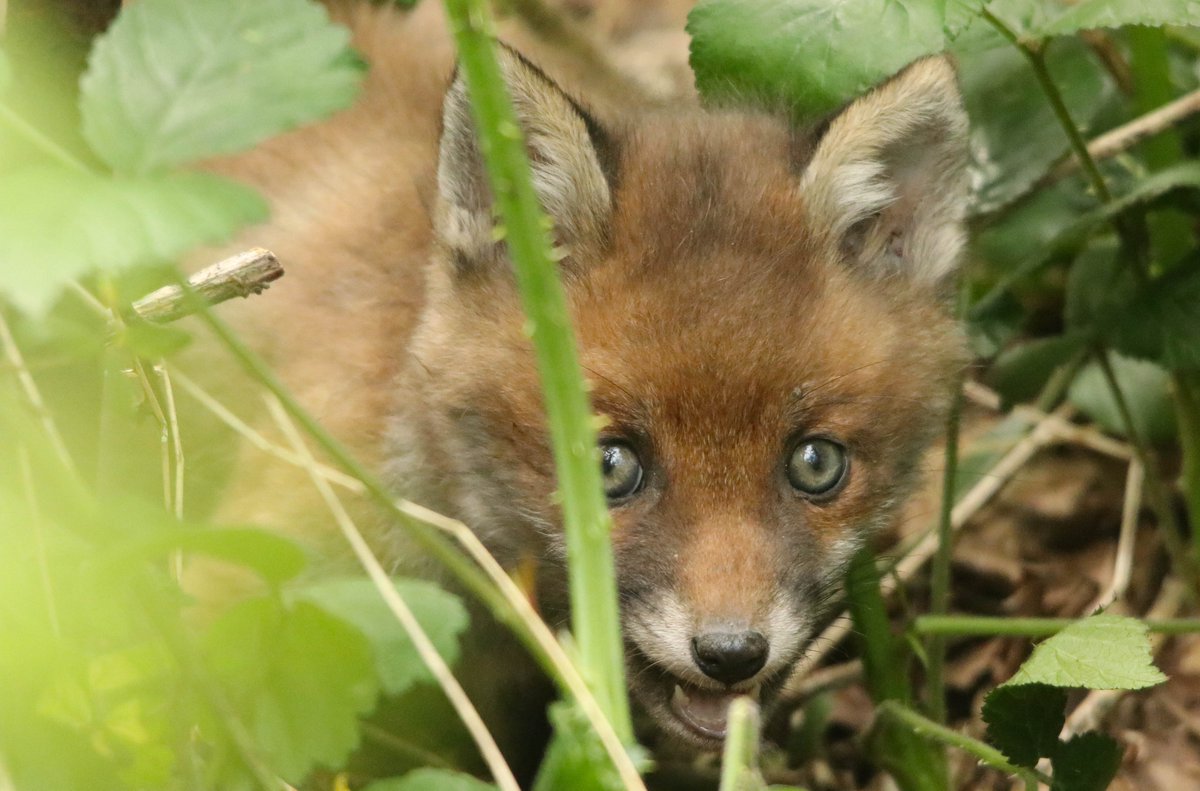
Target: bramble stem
[(591, 571), (989, 626)]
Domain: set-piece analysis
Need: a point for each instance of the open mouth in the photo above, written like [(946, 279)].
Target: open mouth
[(693, 711), (706, 711)]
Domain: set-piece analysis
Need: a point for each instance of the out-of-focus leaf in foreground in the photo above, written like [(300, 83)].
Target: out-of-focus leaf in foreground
[(298, 678), (1042, 18), (59, 223), (432, 780), (356, 601), (174, 81)]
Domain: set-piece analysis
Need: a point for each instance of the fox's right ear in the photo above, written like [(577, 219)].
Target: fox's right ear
[(567, 151), (888, 179)]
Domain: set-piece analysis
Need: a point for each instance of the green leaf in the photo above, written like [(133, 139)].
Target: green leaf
[(174, 81), (298, 679), (1024, 721), (356, 601), (1092, 14), (1146, 388), (58, 224), (1100, 652), (432, 780), (1015, 134), (1155, 188), (1163, 322), (575, 758), (273, 557), (1020, 371), (810, 54), (1089, 762), (154, 341), (1098, 285)]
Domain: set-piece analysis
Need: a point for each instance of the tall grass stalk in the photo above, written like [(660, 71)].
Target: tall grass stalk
[(585, 515)]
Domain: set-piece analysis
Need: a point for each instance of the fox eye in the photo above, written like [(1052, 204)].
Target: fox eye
[(621, 468), (817, 467)]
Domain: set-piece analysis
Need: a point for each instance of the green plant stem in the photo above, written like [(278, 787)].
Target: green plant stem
[(34, 136), (927, 728), (1156, 490), (989, 626), (1186, 385), (740, 756), (1034, 52), (914, 764), (592, 578), (939, 583)]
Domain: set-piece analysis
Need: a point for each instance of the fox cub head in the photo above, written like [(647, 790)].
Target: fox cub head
[(760, 311)]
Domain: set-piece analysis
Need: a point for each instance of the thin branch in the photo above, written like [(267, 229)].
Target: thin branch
[(1128, 135), (467, 712), (1135, 476), (241, 275)]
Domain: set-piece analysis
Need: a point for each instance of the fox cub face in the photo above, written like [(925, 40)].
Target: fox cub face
[(760, 315)]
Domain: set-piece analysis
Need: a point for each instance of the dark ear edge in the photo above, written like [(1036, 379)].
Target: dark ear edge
[(574, 160)]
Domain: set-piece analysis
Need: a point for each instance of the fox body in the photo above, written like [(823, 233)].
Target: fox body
[(759, 310)]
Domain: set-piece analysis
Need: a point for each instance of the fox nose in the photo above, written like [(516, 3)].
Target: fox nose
[(730, 657)]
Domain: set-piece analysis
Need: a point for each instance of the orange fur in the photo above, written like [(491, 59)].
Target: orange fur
[(734, 285)]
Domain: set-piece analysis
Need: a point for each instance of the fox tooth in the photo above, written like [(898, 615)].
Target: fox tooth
[(680, 697)]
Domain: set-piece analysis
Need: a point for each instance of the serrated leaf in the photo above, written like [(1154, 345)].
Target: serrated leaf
[(355, 600), (58, 224), (575, 758), (1024, 721), (1015, 135), (1146, 388), (1021, 370), (1098, 285), (1183, 177), (1100, 652), (297, 678), (1089, 762), (174, 81), (1163, 323), (1092, 14), (432, 780), (809, 54)]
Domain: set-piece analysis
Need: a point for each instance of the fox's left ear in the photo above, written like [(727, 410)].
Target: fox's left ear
[(568, 152), (888, 179)]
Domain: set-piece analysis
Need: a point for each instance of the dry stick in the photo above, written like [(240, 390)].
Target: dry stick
[(488, 748), (1086, 435), (1128, 135), (975, 498), (17, 361), (1127, 540), (241, 275), (568, 674)]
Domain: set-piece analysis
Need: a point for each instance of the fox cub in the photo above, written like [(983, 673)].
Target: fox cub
[(760, 309)]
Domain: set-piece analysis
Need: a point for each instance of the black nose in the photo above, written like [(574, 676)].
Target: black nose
[(730, 657)]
